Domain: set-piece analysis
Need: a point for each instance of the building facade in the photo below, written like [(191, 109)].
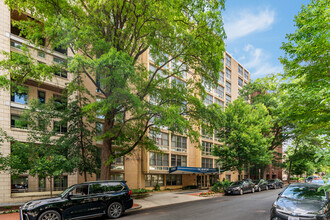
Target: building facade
[(183, 163)]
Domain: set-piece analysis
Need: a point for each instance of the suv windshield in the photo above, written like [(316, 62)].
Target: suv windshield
[(236, 183), (66, 191), (256, 181), (304, 192), (271, 181)]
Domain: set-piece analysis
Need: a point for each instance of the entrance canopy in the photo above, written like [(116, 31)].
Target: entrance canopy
[(192, 170)]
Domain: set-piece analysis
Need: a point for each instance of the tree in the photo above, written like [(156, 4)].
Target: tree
[(306, 69), (242, 136), (301, 155), (107, 39), (268, 91)]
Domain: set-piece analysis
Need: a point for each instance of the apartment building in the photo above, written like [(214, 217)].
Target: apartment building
[(181, 164)]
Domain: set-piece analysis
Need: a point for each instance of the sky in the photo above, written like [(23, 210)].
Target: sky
[(255, 31)]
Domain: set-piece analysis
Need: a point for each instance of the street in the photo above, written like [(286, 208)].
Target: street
[(250, 206)]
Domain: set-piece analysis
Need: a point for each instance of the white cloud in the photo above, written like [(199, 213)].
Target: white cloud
[(247, 22), (257, 62)]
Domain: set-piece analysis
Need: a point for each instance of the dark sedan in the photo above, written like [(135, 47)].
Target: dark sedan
[(260, 185), (84, 200), (240, 188), (275, 184), (301, 201)]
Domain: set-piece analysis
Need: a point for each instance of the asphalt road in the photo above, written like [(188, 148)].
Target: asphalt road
[(250, 206)]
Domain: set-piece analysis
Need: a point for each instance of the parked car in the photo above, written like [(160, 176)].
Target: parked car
[(260, 185), (318, 181), (310, 178), (83, 200), (301, 201), (275, 184), (240, 187)]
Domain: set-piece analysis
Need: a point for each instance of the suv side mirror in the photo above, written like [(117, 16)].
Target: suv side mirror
[(280, 193)]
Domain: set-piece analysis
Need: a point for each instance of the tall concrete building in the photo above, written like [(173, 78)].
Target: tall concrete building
[(181, 164)]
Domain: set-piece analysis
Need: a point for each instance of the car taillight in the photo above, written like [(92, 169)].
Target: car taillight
[(130, 192)]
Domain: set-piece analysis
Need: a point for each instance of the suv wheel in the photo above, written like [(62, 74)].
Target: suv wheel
[(115, 210), (252, 190), (50, 215), (281, 185), (241, 192)]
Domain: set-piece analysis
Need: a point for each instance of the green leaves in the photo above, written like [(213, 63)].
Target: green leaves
[(306, 64), (243, 136)]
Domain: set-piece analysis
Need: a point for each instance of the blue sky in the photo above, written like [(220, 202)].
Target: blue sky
[(255, 31)]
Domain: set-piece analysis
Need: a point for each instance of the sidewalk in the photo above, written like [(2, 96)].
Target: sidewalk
[(153, 200)]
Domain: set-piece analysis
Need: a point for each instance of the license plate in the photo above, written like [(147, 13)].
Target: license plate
[(293, 218)]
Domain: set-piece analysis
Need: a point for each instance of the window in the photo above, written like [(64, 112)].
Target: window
[(173, 180), (160, 76), (206, 135), (178, 160), (240, 82), (59, 103), (208, 100), (221, 78), (228, 177), (228, 100), (246, 75), (42, 184), (178, 143), (105, 188), (207, 148), (219, 90), (19, 97), (240, 70), (17, 122), (118, 163), (217, 135), (60, 50), (41, 54), (228, 61), (228, 88), (60, 183), (59, 60), (80, 190), (219, 102), (207, 163), (228, 74), (59, 127), (42, 96), (117, 177), (154, 179), (16, 44), (207, 86), (42, 125), (99, 131), (160, 138), (19, 184), (158, 161)]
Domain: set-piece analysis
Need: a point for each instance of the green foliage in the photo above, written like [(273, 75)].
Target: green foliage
[(220, 185), (157, 187), (189, 187), (137, 191), (243, 137), (306, 65), (107, 39)]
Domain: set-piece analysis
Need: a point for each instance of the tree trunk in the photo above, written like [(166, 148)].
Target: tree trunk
[(289, 174), (51, 186), (106, 151)]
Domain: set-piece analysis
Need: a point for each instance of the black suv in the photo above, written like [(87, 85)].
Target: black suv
[(83, 200), (240, 187)]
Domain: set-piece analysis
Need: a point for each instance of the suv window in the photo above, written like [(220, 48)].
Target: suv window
[(81, 190), (106, 188)]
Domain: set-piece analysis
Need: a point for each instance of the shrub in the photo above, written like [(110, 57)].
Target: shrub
[(137, 191), (157, 187), (189, 187), (220, 185)]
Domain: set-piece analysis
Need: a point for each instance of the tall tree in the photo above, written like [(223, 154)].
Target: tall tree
[(107, 39), (306, 69), (242, 136)]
